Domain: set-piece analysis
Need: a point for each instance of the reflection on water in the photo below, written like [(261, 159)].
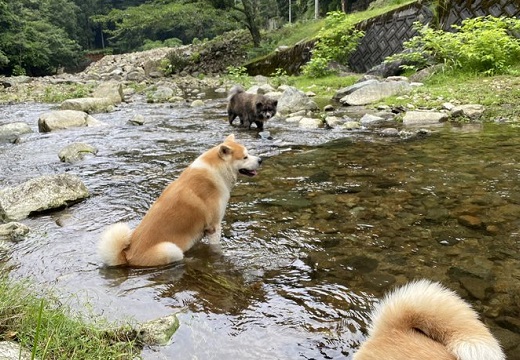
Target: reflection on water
[(328, 226)]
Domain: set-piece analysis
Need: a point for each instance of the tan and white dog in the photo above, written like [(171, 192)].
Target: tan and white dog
[(424, 320), (190, 208)]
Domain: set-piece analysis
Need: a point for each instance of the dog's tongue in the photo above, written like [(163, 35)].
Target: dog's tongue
[(247, 172)]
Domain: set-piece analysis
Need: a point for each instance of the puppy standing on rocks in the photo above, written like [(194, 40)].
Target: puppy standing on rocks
[(190, 208), (250, 108)]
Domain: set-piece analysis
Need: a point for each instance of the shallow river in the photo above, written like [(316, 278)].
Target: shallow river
[(332, 221)]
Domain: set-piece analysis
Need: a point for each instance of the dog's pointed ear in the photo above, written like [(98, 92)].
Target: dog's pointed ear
[(230, 138), (224, 151), (275, 103)]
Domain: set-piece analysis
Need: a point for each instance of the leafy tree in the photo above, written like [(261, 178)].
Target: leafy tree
[(160, 20), (35, 36)]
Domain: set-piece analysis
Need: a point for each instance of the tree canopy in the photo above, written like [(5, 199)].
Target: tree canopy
[(39, 36)]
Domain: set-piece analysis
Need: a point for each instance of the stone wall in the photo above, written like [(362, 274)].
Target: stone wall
[(386, 34), (454, 11)]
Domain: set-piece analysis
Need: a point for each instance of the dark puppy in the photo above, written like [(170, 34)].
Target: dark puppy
[(250, 108)]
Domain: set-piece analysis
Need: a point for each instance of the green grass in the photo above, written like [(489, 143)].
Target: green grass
[(500, 94), (325, 86), (48, 330)]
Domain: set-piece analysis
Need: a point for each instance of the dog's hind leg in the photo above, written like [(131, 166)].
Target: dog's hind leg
[(161, 254)]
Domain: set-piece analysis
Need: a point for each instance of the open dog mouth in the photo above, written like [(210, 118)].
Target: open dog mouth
[(247, 172)]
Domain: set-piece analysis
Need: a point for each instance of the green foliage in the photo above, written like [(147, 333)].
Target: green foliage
[(335, 42), (129, 28), (151, 44), (483, 44), (36, 36), (47, 328), (279, 77)]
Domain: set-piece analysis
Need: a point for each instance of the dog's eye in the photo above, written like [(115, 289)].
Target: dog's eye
[(245, 157)]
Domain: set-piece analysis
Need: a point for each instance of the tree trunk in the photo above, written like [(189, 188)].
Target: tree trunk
[(251, 21)]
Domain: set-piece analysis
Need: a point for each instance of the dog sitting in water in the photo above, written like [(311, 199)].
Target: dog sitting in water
[(190, 208), (425, 321), (250, 108)]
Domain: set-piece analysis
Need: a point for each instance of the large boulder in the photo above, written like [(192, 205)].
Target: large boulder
[(10, 132), (421, 118), (294, 100), (64, 119), (158, 331), (88, 104), (375, 91), (40, 194)]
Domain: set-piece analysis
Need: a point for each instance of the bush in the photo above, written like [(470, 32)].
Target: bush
[(483, 44), (335, 42)]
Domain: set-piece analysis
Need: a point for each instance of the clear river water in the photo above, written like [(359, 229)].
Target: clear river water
[(333, 220)]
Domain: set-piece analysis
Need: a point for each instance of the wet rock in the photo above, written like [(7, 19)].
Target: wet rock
[(328, 108), (64, 119), (421, 118), (509, 323), (197, 103), (351, 125), (10, 132), (476, 287), (362, 264), (310, 123), (470, 111), (88, 104), (158, 331), (40, 194), (113, 91), (13, 231), (390, 132), (470, 221), (369, 120), (75, 152), (375, 92), (138, 119), (293, 100), (10, 350), (162, 94)]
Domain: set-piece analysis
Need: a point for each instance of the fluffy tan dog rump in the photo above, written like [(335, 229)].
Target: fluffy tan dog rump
[(424, 320), (190, 208)]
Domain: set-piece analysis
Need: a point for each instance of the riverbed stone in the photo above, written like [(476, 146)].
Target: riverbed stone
[(64, 119), (88, 104), (310, 123), (422, 118), (470, 111), (158, 331), (374, 92), (470, 221), (16, 128), (110, 90), (13, 231), (40, 194), (293, 100), (350, 89), (76, 151)]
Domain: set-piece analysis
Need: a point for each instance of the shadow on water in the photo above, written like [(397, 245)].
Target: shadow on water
[(333, 221)]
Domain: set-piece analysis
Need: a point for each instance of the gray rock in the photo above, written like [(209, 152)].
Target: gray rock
[(471, 111), (17, 128), (310, 123), (162, 94), (420, 118), (197, 103), (76, 151), (369, 120), (88, 104), (138, 119), (350, 89), (113, 91), (40, 194), (158, 331), (13, 231), (293, 100), (64, 119), (374, 92), (10, 350)]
